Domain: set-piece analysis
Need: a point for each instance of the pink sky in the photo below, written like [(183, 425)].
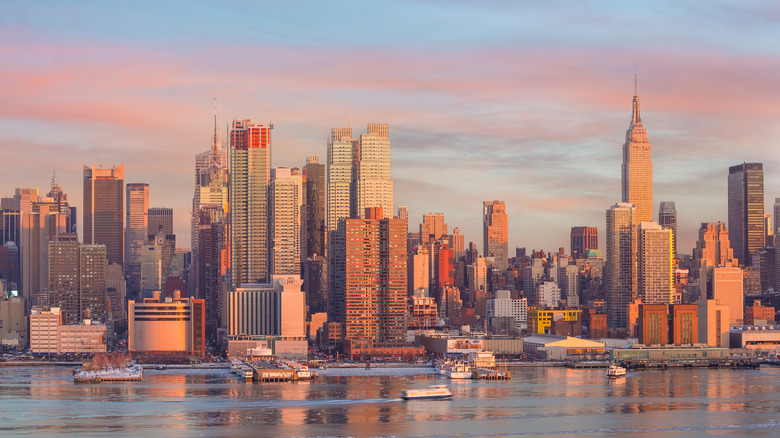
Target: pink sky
[(530, 109)]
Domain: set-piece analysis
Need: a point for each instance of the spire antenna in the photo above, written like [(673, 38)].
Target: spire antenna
[(216, 144)]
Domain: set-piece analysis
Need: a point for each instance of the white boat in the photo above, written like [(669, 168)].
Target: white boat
[(303, 372), (458, 371), (616, 371), (434, 392)]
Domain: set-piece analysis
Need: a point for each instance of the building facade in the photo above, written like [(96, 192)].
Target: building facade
[(637, 169), (655, 282), (137, 223), (250, 168), (181, 320), (746, 210), (104, 210), (583, 239), (495, 233), (667, 218), (285, 203), (620, 268), (373, 185), (374, 296)]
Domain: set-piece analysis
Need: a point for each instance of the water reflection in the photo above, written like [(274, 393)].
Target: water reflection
[(536, 400)]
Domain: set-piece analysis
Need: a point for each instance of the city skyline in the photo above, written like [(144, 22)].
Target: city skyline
[(501, 109)]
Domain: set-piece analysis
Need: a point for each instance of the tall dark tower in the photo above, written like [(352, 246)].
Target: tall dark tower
[(667, 218), (746, 210), (104, 210)]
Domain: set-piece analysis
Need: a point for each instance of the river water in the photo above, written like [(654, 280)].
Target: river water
[(44, 401)]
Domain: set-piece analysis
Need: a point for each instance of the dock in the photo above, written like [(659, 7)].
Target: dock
[(586, 365), (485, 374), (734, 363)]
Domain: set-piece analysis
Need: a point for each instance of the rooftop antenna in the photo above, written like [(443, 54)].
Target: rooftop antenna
[(350, 114), (635, 75), (216, 144)]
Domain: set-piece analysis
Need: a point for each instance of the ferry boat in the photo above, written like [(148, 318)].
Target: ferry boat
[(434, 392), (303, 372), (616, 371), (247, 373), (458, 371)]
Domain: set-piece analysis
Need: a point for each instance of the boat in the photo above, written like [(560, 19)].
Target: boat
[(303, 372), (434, 392), (616, 371), (458, 371)]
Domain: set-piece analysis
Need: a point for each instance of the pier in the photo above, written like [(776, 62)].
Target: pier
[(483, 374)]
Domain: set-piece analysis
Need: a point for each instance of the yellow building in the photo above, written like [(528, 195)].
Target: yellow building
[(540, 321)]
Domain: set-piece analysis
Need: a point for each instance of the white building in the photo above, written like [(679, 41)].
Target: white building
[(268, 309), (504, 305), (43, 330), (569, 282), (285, 201), (549, 294), (374, 183), (477, 275), (339, 176), (48, 336)]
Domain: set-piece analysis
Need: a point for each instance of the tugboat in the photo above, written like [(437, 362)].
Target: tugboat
[(434, 392), (615, 371)]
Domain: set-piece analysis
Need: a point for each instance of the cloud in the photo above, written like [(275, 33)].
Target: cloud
[(539, 124)]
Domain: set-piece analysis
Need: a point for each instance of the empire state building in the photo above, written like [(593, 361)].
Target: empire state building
[(637, 175)]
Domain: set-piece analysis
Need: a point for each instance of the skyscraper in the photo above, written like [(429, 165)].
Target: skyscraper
[(746, 210), (495, 233), (212, 262), (432, 227), (713, 247), (373, 183), (61, 199), (64, 276), (637, 171), (136, 233), (339, 179), (284, 205), (403, 213), (582, 240), (667, 218), (373, 301), (655, 284), (621, 264), (342, 149), (457, 243), (160, 218), (250, 168), (315, 197), (41, 225), (769, 232), (210, 257), (92, 281), (104, 210)]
